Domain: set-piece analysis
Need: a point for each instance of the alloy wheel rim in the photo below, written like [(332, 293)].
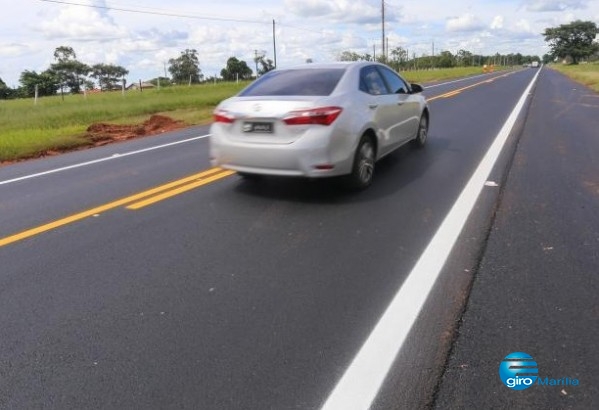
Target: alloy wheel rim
[(423, 130), (366, 163)]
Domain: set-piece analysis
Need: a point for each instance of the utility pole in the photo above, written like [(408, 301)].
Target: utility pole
[(383, 29), (386, 46), (274, 42)]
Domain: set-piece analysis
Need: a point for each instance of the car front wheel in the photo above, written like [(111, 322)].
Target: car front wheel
[(422, 133)]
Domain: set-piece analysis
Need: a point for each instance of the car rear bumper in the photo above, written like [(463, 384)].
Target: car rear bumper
[(308, 156)]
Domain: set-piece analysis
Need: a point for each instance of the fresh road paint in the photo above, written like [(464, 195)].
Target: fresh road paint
[(179, 190), (145, 198), (96, 161), (459, 90), (364, 377)]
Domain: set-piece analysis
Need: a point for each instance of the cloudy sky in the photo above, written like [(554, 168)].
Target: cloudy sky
[(142, 35)]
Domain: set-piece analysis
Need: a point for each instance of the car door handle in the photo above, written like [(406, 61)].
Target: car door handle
[(400, 102), (373, 106)]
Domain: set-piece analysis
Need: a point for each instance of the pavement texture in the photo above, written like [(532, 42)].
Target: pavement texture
[(537, 286)]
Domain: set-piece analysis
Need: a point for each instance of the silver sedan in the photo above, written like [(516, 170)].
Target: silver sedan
[(319, 120)]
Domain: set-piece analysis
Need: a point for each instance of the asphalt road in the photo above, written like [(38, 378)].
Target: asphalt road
[(227, 294)]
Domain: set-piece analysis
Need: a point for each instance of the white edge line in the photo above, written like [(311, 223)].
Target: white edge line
[(362, 380), (96, 161)]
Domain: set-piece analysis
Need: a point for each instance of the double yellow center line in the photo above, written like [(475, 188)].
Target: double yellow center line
[(459, 90), (133, 202), (177, 187)]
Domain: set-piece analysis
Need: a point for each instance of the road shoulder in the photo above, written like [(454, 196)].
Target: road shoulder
[(535, 290)]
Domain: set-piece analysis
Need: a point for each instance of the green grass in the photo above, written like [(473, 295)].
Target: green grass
[(587, 74), (26, 130)]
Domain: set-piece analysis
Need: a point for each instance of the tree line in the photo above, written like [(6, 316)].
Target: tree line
[(573, 42), (69, 75), (185, 69), (399, 59), (66, 74)]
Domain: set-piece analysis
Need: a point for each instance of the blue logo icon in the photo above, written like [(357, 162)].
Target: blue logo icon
[(518, 371)]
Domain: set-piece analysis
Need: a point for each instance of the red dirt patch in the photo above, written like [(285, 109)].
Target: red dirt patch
[(102, 133)]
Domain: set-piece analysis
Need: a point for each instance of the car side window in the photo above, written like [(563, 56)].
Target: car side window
[(394, 81), (371, 81)]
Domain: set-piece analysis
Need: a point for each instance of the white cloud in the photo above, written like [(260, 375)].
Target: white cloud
[(497, 23), (309, 8), (555, 5), (13, 50), (523, 26), (81, 23), (466, 22), (339, 11)]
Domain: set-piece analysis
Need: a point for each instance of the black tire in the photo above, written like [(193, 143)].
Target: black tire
[(422, 133), (363, 168)]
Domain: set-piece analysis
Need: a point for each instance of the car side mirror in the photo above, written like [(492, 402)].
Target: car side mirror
[(416, 88)]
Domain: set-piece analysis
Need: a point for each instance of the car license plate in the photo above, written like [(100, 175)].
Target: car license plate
[(258, 127)]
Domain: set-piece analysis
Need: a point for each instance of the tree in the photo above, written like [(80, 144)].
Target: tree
[(68, 70), (5, 92), (46, 82), (264, 64), (575, 40), (350, 56), (445, 60), (64, 53), (186, 67), (109, 76), (236, 69), (397, 57), (464, 58)]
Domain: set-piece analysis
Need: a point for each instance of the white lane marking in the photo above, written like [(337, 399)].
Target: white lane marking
[(361, 382), (454, 81), (96, 161)]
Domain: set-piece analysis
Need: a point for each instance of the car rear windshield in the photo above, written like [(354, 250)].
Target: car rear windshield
[(317, 82)]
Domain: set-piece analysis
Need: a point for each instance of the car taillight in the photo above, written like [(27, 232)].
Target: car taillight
[(223, 116), (320, 116)]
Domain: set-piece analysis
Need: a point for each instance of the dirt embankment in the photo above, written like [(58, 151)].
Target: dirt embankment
[(102, 133)]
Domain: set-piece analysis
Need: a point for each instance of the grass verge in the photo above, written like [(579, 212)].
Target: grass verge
[(587, 74), (54, 123)]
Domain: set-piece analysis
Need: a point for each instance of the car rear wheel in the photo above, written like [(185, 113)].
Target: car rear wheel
[(249, 177), (422, 133), (363, 169)]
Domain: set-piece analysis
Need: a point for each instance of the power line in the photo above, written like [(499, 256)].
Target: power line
[(167, 13), (158, 13)]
